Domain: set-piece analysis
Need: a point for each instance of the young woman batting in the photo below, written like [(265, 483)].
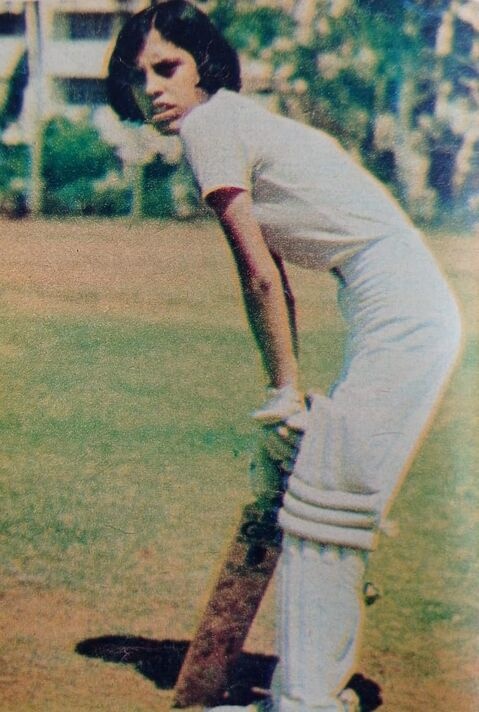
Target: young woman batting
[(285, 192)]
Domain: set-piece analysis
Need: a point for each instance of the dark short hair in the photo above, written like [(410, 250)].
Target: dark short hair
[(185, 26)]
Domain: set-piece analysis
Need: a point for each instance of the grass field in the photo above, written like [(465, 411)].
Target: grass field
[(127, 376)]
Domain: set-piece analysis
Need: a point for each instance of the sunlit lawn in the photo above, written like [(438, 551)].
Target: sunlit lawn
[(127, 378)]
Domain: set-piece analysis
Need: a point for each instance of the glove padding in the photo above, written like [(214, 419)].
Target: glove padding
[(283, 419), (281, 403), (276, 453), (282, 441)]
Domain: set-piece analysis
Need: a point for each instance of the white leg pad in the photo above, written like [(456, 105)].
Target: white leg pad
[(320, 613)]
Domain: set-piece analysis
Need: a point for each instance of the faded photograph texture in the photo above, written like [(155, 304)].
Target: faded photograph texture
[(239, 317)]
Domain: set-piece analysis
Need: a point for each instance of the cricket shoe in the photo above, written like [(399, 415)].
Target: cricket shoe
[(350, 700), (231, 708), (262, 705)]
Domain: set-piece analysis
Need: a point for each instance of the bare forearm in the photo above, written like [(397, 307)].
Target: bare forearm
[(290, 303), (270, 323), (261, 280)]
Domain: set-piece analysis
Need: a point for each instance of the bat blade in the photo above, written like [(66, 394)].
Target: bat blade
[(246, 571)]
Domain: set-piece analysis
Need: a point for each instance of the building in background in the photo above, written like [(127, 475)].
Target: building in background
[(70, 42), (60, 51), (12, 44), (396, 83), (61, 47)]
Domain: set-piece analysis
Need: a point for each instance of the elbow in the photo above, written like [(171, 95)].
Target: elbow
[(260, 285)]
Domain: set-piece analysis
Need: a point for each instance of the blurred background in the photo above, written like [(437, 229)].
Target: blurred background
[(396, 82)]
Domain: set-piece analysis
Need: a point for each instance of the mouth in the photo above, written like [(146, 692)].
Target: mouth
[(165, 122), (164, 112)]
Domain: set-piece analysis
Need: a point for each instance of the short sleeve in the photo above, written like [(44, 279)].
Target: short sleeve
[(214, 148)]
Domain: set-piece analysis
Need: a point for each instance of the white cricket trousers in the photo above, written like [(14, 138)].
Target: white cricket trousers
[(403, 338)]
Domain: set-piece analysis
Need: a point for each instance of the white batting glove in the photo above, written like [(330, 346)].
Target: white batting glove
[(280, 443), (280, 405), (281, 440)]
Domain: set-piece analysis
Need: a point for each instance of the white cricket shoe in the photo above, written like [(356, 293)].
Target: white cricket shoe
[(231, 708), (350, 700)]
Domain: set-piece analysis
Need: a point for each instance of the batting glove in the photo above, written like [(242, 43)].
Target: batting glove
[(280, 405)]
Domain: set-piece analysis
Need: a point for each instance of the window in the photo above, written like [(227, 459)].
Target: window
[(83, 26), (12, 24)]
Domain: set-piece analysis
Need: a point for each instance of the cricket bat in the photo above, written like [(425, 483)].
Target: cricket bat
[(244, 576)]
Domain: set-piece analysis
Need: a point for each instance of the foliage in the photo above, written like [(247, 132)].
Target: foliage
[(249, 27), (158, 199), (14, 159), (81, 197), (72, 151), (169, 191), (14, 163), (14, 175), (74, 158), (396, 82), (350, 65), (13, 99)]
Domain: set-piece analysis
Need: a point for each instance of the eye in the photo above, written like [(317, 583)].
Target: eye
[(166, 68)]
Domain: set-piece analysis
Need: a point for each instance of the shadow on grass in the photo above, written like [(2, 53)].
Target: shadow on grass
[(160, 661)]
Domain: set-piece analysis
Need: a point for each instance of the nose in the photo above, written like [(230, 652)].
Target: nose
[(153, 84)]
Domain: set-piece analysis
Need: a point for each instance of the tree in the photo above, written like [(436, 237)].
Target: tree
[(396, 82)]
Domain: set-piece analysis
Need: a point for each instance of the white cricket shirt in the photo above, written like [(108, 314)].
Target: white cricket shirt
[(315, 205)]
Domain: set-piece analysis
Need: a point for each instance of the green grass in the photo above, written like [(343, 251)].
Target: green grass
[(109, 430), (121, 436), (125, 445), (113, 430)]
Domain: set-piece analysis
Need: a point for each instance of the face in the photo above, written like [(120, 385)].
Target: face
[(166, 83)]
